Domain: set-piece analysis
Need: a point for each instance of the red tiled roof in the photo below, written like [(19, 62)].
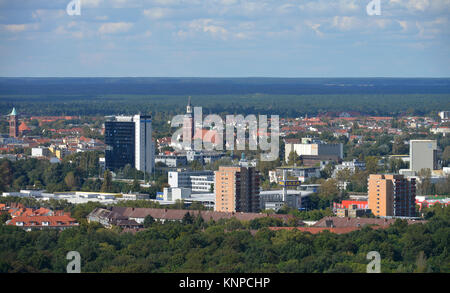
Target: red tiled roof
[(24, 127), (53, 221), (206, 135)]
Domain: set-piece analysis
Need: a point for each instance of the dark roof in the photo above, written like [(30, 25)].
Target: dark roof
[(172, 214), (357, 222)]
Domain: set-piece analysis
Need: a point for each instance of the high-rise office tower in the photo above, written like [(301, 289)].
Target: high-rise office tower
[(13, 124), (129, 141), (392, 195), (423, 155), (237, 189), (145, 153)]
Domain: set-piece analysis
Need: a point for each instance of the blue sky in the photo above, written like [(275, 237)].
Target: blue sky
[(225, 38)]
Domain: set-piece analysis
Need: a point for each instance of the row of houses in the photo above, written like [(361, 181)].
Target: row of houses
[(37, 219)]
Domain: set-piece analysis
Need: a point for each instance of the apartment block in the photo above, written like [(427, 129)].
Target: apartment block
[(392, 195), (237, 189)]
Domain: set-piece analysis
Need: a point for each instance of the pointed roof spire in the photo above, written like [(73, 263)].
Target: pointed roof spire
[(189, 107), (13, 113)]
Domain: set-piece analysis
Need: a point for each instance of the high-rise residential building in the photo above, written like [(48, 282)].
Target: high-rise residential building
[(13, 124), (392, 195), (237, 189), (129, 141), (423, 155)]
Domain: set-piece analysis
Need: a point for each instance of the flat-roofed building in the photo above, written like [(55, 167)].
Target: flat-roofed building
[(423, 155), (237, 189), (392, 195)]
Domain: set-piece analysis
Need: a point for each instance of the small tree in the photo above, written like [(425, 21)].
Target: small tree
[(148, 221), (107, 182), (136, 187), (187, 219)]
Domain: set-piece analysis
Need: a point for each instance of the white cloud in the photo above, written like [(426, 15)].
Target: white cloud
[(17, 28), (315, 27), (208, 26), (157, 12), (115, 27), (345, 23)]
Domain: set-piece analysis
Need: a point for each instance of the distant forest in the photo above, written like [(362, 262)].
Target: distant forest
[(283, 96)]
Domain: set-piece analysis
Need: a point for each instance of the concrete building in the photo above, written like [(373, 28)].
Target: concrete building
[(129, 141), (196, 181), (392, 195), (176, 193), (299, 173), (237, 189), (273, 199), (40, 152), (172, 161), (315, 149), (352, 166), (423, 155)]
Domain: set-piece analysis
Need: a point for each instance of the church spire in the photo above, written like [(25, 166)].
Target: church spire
[(189, 107)]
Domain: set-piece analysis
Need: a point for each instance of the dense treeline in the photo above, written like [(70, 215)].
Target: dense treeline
[(76, 172), (229, 246), (283, 105)]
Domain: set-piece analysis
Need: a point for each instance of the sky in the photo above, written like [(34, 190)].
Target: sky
[(225, 38)]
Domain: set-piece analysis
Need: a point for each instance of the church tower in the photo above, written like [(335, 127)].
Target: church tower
[(189, 107), (188, 125), (13, 124)]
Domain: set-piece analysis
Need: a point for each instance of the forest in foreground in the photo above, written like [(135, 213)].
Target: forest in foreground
[(230, 246)]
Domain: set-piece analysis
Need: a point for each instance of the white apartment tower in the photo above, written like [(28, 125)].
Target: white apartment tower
[(144, 154)]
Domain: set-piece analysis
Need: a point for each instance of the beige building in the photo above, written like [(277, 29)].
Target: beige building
[(237, 189), (392, 195), (423, 155)]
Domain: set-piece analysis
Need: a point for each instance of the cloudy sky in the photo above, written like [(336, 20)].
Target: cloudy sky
[(225, 38)]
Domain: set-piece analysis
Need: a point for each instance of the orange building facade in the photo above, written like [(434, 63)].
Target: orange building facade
[(237, 189), (392, 195)]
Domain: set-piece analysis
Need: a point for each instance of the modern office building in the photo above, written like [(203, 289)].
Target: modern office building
[(144, 148), (237, 189), (423, 155), (197, 181), (392, 195), (129, 141), (171, 160), (13, 124)]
